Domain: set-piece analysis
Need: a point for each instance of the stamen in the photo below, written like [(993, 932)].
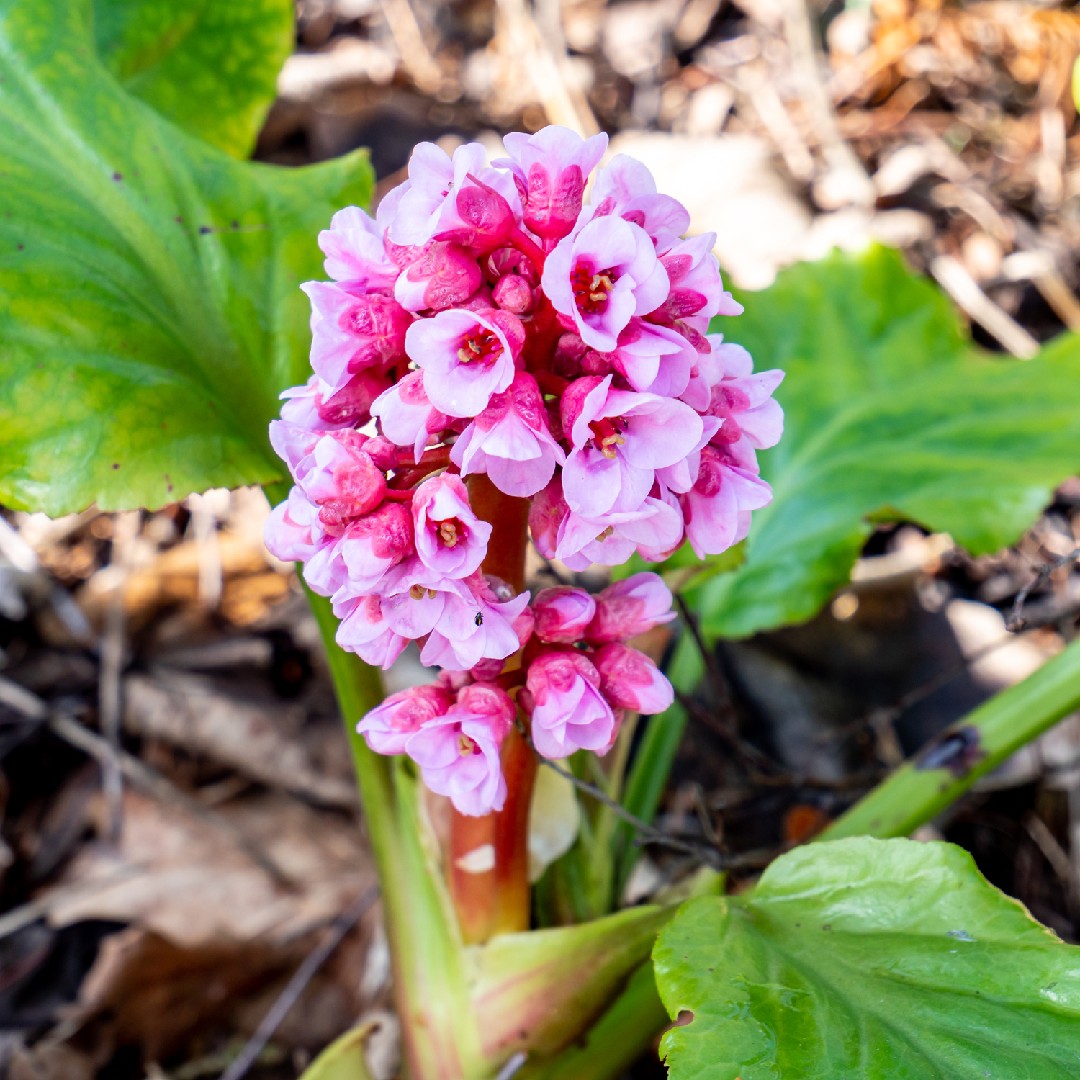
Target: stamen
[(600, 286), (480, 345), (608, 444), (448, 532), (591, 290), (465, 745), (606, 435)]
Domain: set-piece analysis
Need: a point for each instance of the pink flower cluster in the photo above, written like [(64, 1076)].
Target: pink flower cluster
[(490, 321), (580, 677)]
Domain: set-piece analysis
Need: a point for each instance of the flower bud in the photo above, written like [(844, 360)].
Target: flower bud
[(562, 614), (630, 607), (569, 711), (630, 680), (513, 293)]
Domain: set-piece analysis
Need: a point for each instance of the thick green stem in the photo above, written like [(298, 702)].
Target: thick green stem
[(441, 1038), (948, 766)]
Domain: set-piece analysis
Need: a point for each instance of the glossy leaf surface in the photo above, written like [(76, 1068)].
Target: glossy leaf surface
[(891, 414), (210, 67), (877, 959), (149, 308)]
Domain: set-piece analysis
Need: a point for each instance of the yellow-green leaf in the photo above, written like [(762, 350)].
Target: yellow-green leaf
[(149, 303)]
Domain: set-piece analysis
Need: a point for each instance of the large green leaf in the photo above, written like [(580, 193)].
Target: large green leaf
[(149, 309), (210, 66), (875, 959), (890, 414)]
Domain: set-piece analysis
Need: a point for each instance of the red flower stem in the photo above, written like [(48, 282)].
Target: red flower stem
[(406, 477), (489, 862), (435, 458), (529, 248)]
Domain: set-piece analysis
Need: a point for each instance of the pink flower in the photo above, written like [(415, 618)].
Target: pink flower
[(364, 630), (620, 439), (562, 613), (450, 538), (513, 293), (510, 441), (428, 207), (569, 711), (375, 543), (406, 415), (742, 399), (319, 406), (477, 626), (695, 281), (654, 530), (654, 359), (340, 477), (630, 607), (354, 249), (717, 508), (630, 680), (352, 330), (414, 598), (437, 277), (516, 285), (625, 188), (458, 754), (481, 220), (388, 727), (559, 533), (292, 532), (465, 357), (602, 276), (550, 169)]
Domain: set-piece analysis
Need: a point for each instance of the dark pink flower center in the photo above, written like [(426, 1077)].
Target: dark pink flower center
[(606, 435), (591, 288), (479, 345)]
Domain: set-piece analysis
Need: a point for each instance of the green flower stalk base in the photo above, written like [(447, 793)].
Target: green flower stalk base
[(466, 1009)]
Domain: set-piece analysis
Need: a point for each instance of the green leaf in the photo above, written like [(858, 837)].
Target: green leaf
[(890, 414), (149, 309), (209, 66), (344, 1058), (882, 960)]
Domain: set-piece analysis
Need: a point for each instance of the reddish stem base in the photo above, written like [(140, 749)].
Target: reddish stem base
[(489, 856)]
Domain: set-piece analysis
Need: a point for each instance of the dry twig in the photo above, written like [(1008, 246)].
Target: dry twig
[(295, 987)]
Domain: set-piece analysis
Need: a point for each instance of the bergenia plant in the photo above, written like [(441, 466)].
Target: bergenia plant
[(522, 349), (514, 348)]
